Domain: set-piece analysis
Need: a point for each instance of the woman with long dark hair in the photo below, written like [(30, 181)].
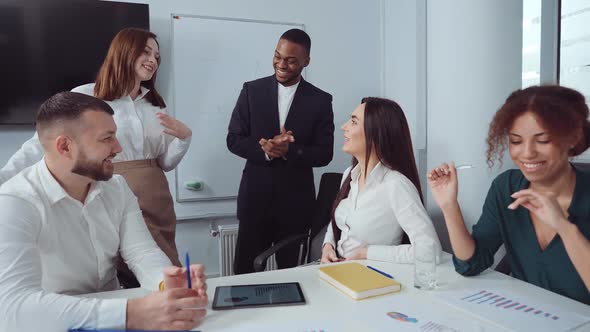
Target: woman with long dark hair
[(380, 200), (152, 140), (539, 211)]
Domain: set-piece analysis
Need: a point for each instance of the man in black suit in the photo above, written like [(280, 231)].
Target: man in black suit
[(283, 126)]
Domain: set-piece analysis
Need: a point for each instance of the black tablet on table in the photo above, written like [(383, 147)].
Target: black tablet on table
[(260, 295)]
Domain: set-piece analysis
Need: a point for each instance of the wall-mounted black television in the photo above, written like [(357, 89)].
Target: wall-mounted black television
[(48, 46)]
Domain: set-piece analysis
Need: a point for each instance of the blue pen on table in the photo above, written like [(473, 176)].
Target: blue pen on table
[(188, 271), (381, 272)]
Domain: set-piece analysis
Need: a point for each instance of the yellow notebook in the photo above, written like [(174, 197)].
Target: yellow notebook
[(358, 281)]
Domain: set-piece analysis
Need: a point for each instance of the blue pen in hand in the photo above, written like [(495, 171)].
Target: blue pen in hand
[(188, 271), (381, 272)]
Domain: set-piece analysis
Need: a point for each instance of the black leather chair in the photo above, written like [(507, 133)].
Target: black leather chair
[(329, 187), (582, 166), (504, 265), (316, 244)]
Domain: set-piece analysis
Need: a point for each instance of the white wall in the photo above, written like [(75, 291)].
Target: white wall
[(450, 65), (404, 66), (346, 62), (474, 62), (457, 76), (574, 56), (345, 57), (405, 69)]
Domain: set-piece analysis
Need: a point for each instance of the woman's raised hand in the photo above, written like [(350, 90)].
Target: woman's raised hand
[(443, 184), (173, 126)]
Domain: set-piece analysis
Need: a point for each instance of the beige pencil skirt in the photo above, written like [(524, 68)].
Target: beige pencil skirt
[(148, 182)]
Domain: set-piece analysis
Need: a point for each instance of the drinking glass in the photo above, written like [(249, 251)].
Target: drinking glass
[(424, 265)]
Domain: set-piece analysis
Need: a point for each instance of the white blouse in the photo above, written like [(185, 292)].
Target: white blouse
[(377, 217), (138, 130)]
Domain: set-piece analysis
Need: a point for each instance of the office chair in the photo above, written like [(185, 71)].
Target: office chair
[(582, 166), (329, 187), (504, 265), (126, 277)]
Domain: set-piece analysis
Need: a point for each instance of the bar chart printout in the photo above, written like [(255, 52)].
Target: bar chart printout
[(513, 311)]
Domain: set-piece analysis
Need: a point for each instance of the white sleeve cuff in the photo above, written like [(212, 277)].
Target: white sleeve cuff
[(378, 253), (179, 146), (402, 253), (112, 314), (186, 141), (329, 238)]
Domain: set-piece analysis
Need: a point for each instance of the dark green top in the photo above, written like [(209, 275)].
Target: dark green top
[(551, 268)]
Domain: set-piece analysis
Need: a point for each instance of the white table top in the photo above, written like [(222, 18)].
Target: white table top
[(328, 309)]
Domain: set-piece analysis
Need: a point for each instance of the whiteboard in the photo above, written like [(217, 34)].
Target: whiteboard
[(211, 59)]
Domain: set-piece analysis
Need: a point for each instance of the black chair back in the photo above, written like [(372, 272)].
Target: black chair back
[(582, 166), (322, 211), (329, 187)]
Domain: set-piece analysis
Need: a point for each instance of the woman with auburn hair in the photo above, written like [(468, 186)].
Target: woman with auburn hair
[(152, 140), (540, 211), (380, 200)]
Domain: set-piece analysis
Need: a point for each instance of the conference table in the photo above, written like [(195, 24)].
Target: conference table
[(446, 308)]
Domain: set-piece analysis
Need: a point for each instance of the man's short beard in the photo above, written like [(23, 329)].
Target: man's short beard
[(93, 170)]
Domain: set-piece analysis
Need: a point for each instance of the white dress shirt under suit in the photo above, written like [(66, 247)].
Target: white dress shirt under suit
[(376, 217), (138, 130), (285, 99), (53, 246)]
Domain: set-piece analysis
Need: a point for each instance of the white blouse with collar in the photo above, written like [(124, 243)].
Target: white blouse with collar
[(138, 130), (376, 217)]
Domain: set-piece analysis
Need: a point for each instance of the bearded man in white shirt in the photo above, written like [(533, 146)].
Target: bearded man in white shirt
[(64, 221)]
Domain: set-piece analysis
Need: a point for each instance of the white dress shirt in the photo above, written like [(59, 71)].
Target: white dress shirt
[(377, 217), (138, 130), (53, 247), (285, 99)]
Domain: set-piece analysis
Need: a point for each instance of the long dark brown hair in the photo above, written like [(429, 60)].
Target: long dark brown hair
[(386, 129), (116, 76), (561, 111)]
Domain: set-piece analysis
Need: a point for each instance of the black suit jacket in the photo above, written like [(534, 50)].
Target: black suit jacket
[(284, 184)]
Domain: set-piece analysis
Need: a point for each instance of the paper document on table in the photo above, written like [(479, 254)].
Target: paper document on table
[(513, 311), (408, 312)]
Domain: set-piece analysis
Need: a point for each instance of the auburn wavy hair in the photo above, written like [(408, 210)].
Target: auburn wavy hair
[(561, 111), (116, 77)]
